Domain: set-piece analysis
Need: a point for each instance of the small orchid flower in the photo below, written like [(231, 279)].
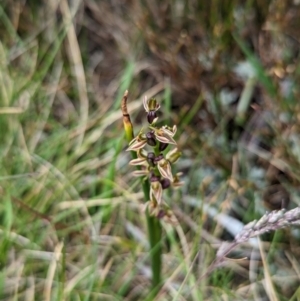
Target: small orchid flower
[(164, 168), (173, 155), (156, 191), (166, 214), (140, 173), (151, 106), (177, 183), (165, 134), (141, 158), (162, 212), (169, 131), (138, 142), (151, 138), (150, 159), (165, 183)]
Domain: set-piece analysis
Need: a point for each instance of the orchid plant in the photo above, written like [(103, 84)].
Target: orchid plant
[(154, 152), (156, 166)]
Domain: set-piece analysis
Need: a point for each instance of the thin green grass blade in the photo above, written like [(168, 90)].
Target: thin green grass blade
[(187, 118), (126, 80), (262, 77), (167, 101)]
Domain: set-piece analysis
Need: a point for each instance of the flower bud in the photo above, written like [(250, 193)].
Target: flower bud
[(165, 183), (173, 155), (138, 142), (151, 116), (158, 158), (151, 138), (162, 146), (150, 159), (154, 178), (177, 183), (153, 105), (161, 214)]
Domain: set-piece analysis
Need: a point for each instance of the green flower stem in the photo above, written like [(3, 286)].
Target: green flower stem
[(153, 224), (154, 232)]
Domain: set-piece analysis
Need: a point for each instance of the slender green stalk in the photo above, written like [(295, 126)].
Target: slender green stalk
[(154, 232), (153, 224)]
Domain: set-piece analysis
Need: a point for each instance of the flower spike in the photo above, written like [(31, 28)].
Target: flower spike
[(155, 165)]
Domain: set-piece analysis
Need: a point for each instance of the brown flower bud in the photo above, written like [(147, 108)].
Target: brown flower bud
[(150, 159), (162, 146), (151, 116), (154, 178), (151, 138), (158, 158), (165, 183)]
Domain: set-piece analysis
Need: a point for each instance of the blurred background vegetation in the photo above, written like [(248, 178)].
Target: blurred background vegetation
[(224, 71)]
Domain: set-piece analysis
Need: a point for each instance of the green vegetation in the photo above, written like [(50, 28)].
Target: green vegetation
[(73, 217)]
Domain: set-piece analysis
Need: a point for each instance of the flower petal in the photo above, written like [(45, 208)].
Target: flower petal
[(145, 103), (164, 168), (142, 153), (140, 173), (136, 145), (169, 131), (138, 161), (165, 139), (156, 191), (153, 105), (173, 155), (177, 183)]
